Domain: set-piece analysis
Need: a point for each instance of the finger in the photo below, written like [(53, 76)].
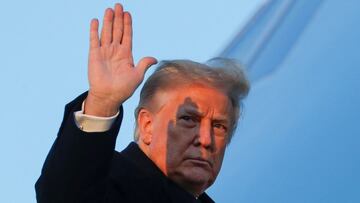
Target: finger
[(94, 33), (144, 64), (106, 32), (118, 24), (127, 36)]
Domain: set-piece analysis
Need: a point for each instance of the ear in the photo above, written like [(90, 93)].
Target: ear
[(145, 121)]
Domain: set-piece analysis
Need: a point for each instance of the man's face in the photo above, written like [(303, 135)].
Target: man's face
[(189, 135)]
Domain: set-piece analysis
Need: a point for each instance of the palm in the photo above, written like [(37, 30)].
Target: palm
[(112, 74)]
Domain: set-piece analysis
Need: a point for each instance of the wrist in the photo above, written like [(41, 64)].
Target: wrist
[(100, 107)]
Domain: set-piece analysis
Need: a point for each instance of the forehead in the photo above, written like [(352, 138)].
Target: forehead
[(193, 98)]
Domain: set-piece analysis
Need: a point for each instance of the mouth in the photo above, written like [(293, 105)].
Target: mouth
[(201, 161)]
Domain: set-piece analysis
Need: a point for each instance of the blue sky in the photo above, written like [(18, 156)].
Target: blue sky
[(44, 61), (298, 140)]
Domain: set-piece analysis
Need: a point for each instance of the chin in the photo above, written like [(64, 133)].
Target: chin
[(194, 179), (198, 176)]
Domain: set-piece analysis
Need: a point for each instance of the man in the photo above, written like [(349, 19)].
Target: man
[(186, 116)]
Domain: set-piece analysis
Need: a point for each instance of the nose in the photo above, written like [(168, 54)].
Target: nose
[(206, 135)]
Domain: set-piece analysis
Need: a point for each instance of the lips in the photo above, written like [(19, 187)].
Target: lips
[(201, 161)]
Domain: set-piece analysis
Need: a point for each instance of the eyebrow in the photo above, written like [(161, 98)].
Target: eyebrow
[(193, 111)]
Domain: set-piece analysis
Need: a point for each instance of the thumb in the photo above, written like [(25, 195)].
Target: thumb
[(145, 64)]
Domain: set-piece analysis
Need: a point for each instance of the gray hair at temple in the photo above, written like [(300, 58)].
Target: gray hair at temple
[(220, 73)]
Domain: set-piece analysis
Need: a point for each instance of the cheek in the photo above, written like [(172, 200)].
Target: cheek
[(159, 145), (168, 145), (180, 135), (218, 157), (178, 139)]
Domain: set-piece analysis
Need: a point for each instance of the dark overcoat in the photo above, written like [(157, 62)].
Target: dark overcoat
[(84, 167)]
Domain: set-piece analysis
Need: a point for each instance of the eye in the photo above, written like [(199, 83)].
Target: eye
[(220, 126), (187, 120)]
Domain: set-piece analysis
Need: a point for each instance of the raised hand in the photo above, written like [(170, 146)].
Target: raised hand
[(113, 77)]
